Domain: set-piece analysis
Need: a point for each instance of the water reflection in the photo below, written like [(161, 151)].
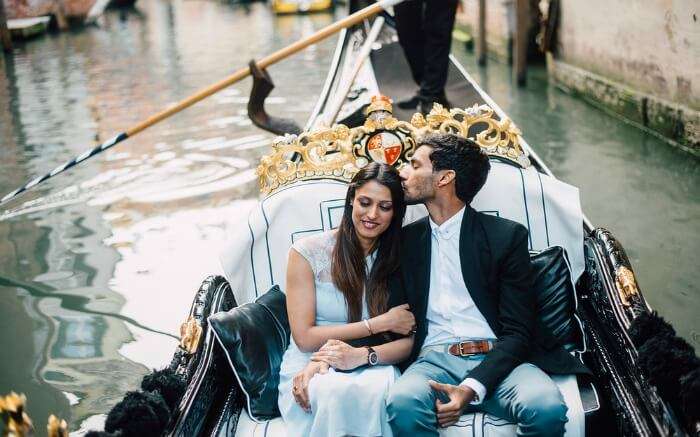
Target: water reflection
[(98, 266), (79, 337)]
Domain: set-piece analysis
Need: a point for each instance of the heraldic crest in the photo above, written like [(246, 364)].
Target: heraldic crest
[(338, 152)]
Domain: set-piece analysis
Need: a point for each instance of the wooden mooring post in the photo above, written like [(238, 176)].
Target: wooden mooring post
[(481, 34), (5, 39), (520, 41)]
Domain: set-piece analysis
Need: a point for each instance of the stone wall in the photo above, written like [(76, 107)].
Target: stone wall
[(653, 46), (639, 59)]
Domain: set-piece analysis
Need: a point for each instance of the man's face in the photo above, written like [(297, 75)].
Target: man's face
[(417, 178)]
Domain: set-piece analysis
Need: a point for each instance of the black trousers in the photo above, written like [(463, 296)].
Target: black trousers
[(425, 34)]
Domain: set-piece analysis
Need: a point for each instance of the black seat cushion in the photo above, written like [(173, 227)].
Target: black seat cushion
[(554, 291), (254, 337)]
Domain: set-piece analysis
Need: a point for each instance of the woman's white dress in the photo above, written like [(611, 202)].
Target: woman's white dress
[(342, 403)]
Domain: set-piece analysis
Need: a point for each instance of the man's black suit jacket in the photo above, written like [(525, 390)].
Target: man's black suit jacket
[(497, 272)]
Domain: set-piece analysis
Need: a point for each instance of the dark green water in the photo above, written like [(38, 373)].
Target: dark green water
[(98, 266)]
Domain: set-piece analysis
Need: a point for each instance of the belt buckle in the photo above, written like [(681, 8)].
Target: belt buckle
[(461, 351)]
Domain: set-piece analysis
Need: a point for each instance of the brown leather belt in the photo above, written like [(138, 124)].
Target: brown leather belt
[(461, 349), (466, 348)]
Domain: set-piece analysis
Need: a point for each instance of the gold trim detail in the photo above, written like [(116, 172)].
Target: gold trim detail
[(190, 333), (338, 152), (626, 285), (56, 427), (17, 422)]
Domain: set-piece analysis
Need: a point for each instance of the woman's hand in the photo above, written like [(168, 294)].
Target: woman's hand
[(300, 383), (399, 319), (341, 355)]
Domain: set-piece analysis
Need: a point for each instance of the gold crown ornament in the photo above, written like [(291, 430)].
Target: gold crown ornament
[(338, 152), (380, 103)]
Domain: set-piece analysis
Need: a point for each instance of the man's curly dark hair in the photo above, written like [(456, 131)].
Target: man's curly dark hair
[(470, 163)]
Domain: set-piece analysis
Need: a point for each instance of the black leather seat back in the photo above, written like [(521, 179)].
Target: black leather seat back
[(556, 299), (254, 338)]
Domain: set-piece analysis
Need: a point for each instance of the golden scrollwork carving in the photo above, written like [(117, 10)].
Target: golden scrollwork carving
[(626, 284), (56, 427), (338, 152), (190, 333), (17, 422)]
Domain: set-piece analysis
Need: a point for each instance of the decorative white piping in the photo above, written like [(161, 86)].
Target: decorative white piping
[(228, 357)]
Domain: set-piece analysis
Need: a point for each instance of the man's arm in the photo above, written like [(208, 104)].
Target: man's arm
[(516, 315)]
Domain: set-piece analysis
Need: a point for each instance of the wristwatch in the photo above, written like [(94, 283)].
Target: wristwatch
[(372, 358)]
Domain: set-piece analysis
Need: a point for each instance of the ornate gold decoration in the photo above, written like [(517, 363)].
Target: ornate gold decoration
[(379, 103), (498, 138), (56, 427), (339, 152), (190, 333), (17, 422), (626, 284)]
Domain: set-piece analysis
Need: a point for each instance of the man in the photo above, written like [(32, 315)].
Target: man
[(424, 28), (467, 279)]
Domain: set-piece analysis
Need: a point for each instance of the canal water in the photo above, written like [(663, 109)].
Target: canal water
[(98, 266)]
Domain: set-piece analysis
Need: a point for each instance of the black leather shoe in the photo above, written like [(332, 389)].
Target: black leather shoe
[(444, 102), (425, 105), (410, 103)]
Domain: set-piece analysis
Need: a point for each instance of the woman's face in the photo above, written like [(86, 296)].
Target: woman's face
[(372, 210)]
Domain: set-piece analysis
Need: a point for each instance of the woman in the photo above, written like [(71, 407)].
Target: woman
[(338, 291)]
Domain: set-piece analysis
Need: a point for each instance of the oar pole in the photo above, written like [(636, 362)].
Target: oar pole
[(265, 62), (189, 101)]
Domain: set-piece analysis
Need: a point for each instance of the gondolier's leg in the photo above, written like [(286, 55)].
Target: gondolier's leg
[(409, 26), (438, 24)]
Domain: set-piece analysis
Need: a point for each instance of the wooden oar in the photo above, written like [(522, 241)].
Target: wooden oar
[(265, 62)]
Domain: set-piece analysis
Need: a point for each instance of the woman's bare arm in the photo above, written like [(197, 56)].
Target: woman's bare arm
[(341, 355), (301, 309)]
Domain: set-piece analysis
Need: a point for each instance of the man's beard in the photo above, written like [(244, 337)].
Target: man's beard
[(417, 199), (414, 201)]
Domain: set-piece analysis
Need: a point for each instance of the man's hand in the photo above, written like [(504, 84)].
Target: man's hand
[(460, 396), (340, 355), (300, 383), (398, 319)]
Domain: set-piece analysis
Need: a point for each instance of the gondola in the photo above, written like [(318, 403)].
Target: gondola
[(236, 330), (303, 181)]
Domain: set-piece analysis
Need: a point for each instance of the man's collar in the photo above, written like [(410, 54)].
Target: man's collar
[(450, 226)]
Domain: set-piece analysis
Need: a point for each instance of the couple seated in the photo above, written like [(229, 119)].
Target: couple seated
[(447, 299)]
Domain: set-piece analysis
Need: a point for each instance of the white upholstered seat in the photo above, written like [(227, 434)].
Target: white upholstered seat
[(255, 259), (470, 425), (256, 256)]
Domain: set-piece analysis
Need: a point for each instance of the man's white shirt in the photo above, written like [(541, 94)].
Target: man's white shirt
[(452, 315)]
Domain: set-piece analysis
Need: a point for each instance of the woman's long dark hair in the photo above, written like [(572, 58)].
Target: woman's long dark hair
[(348, 268)]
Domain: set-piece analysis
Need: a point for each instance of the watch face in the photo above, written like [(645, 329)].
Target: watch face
[(373, 359)]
